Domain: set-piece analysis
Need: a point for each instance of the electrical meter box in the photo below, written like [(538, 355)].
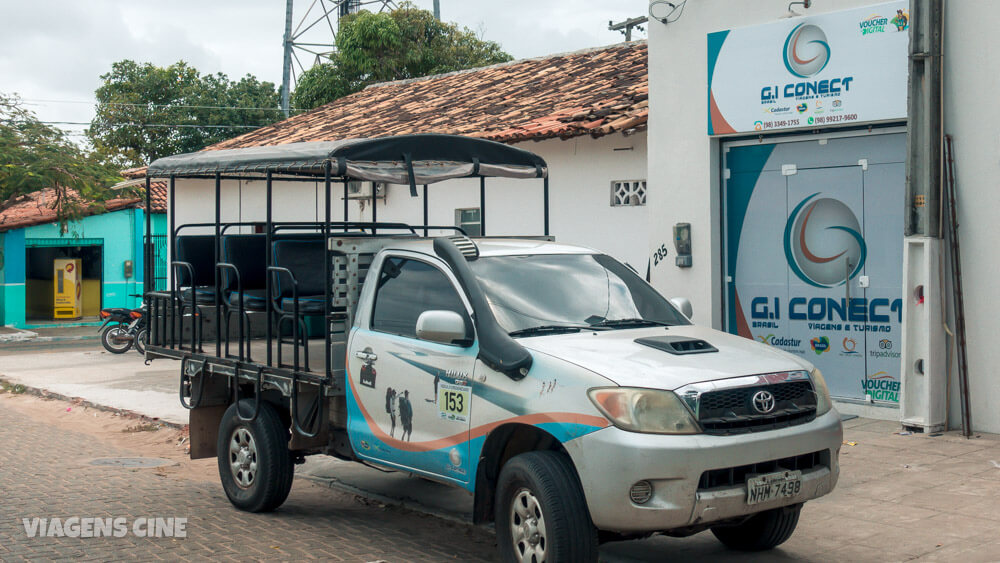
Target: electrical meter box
[(67, 286)]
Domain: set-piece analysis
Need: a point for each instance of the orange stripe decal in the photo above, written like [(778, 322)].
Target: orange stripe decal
[(455, 439)]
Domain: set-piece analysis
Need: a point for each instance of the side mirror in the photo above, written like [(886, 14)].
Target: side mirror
[(683, 304), (446, 327)]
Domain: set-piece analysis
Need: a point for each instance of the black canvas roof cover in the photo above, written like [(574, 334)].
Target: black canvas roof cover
[(431, 157)]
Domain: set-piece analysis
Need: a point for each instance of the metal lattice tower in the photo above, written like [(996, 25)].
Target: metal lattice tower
[(315, 35)]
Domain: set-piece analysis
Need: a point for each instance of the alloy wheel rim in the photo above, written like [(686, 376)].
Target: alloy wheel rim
[(527, 526), (243, 457)]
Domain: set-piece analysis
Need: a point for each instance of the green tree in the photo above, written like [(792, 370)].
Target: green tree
[(404, 43), (145, 111), (35, 156)]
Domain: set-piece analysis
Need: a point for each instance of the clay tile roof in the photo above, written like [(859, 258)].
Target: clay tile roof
[(593, 92), (38, 208), (157, 196)]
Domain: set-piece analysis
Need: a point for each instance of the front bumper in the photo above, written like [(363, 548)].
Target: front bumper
[(611, 460)]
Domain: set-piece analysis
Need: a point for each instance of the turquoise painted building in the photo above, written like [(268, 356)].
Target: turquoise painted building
[(109, 245)]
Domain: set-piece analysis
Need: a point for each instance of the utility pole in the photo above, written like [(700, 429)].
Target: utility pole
[(625, 27), (286, 69), (437, 10)]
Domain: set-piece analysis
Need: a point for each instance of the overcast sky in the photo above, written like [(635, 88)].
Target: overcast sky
[(52, 52)]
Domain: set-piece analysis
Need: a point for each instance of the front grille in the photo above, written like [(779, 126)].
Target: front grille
[(731, 411), (732, 476)]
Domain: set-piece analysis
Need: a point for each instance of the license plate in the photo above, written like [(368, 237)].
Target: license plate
[(773, 486)]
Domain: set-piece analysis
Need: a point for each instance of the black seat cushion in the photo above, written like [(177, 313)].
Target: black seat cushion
[(204, 295), (256, 299), (308, 305), (304, 258), (249, 254), (199, 251)]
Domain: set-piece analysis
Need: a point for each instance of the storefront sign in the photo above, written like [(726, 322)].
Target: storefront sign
[(812, 71)]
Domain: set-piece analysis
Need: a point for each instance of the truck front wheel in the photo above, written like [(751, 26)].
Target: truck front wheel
[(254, 462), (761, 531), (541, 514)]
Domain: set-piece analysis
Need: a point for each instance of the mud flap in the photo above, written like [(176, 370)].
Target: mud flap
[(204, 430)]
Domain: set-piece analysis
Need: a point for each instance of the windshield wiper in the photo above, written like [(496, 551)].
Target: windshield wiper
[(630, 323), (549, 329)]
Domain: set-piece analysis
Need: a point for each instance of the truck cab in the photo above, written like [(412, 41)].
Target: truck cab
[(565, 394)]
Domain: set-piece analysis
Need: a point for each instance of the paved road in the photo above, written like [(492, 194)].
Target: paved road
[(43, 473)]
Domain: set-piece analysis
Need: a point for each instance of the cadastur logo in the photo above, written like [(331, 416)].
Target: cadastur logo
[(806, 50), (820, 236)]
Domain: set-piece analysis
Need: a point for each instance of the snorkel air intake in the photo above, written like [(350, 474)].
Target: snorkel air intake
[(496, 348)]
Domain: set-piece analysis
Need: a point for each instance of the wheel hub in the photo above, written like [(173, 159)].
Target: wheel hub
[(528, 527), (243, 457)]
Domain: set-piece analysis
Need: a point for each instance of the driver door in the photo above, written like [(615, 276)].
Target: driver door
[(411, 399)]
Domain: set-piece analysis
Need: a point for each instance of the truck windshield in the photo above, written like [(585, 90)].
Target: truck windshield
[(547, 291)]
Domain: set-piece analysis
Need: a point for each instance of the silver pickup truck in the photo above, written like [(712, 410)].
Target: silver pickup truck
[(571, 400)]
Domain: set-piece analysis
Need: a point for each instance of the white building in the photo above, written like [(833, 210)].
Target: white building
[(782, 140)]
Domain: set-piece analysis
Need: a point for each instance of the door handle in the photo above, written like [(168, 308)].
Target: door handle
[(366, 356), (847, 282)]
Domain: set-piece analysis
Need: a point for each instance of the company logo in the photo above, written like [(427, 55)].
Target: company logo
[(802, 107), (763, 402), (849, 346), (822, 241), (873, 24), (758, 125), (806, 51), (881, 387), (773, 340), (884, 351), (885, 344), (837, 103), (820, 344)]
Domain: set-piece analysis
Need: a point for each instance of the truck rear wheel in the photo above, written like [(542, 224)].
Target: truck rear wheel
[(541, 514), (254, 462), (762, 531)]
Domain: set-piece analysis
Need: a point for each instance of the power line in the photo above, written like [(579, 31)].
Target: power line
[(178, 125), (36, 101)]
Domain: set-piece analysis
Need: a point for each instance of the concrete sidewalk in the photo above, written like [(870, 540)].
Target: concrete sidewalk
[(48, 334), (901, 496)]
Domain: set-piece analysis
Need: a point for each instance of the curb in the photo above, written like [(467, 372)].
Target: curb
[(413, 506), (42, 393)]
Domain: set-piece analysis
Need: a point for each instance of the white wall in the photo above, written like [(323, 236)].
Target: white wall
[(581, 171), (683, 164), (971, 47)]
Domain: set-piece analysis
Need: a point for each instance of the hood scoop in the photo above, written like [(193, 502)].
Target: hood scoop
[(677, 345)]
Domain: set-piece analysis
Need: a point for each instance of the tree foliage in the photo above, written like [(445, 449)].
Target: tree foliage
[(35, 156), (404, 43), (145, 111)]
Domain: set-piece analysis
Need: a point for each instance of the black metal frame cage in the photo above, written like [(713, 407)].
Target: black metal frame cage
[(176, 315)]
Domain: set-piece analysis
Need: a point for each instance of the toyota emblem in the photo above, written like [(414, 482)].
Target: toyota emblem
[(763, 402)]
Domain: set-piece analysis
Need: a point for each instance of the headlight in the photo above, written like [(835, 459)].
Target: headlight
[(823, 403), (644, 410)]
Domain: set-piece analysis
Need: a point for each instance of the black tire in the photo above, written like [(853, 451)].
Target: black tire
[(762, 531), (266, 471), (140, 341), (108, 336), (554, 499)]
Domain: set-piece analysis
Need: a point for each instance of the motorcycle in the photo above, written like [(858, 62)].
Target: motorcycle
[(123, 328)]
